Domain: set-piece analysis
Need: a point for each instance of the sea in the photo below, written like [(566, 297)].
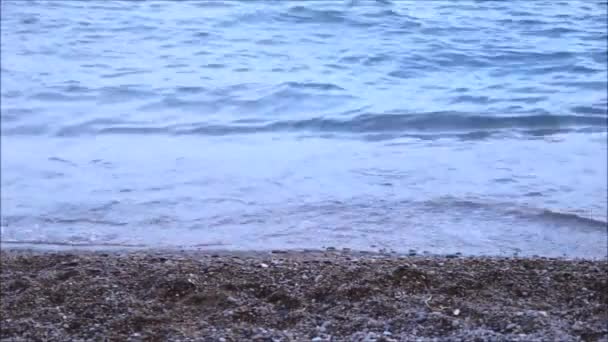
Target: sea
[(423, 126)]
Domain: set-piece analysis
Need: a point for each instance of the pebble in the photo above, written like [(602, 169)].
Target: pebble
[(578, 326), (263, 265), (371, 336), (512, 326), (420, 317), (70, 263)]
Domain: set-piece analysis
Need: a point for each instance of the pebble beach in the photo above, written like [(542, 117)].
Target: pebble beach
[(299, 296)]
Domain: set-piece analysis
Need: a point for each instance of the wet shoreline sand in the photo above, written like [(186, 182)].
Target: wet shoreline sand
[(299, 296)]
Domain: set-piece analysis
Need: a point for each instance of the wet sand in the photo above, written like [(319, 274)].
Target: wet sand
[(299, 296)]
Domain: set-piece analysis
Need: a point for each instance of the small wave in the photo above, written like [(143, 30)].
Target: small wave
[(29, 20), (441, 122), (313, 85), (213, 4), (447, 30), (571, 218), (190, 90), (93, 126), (60, 97), (70, 244), (14, 114), (554, 32), (132, 28), (62, 161), (84, 221), (309, 15), (71, 88), (599, 57), (573, 69), (11, 94), (123, 94), (438, 121), (386, 14), (509, 57), (173, 102), (459, 59), (123, 73), (529, 99), (474, 99), (522, 22), (516, 210), (587, 85), (590, 110), (35, 129)]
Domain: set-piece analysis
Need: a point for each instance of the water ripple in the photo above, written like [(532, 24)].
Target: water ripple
[(174, 109)]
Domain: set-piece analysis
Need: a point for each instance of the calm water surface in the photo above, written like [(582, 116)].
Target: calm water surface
[(445, 126)]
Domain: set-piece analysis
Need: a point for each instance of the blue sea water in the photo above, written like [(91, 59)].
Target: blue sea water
[(443, 126)]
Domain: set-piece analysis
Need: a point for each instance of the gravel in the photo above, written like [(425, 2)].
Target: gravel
[(299, 296)]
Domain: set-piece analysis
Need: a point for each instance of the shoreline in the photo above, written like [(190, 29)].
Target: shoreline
[(85, 248), (299, 295)]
